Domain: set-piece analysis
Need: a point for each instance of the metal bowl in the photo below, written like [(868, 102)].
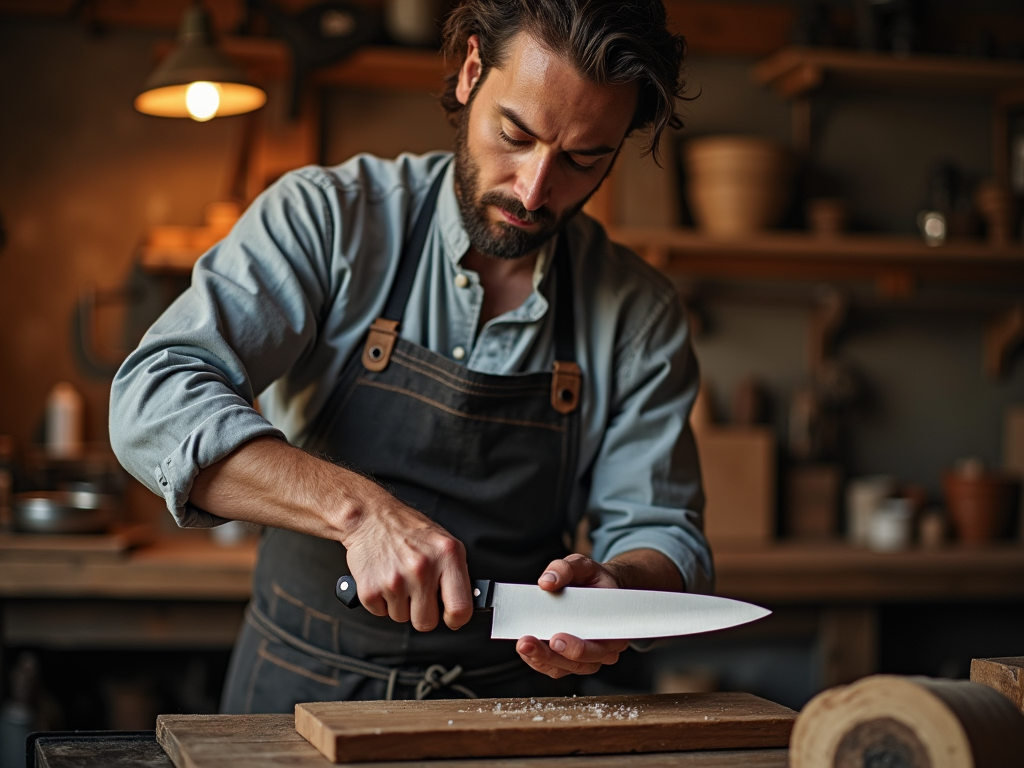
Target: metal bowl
[(62, 512)]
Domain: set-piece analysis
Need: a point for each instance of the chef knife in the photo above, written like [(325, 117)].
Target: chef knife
[(593, 614)]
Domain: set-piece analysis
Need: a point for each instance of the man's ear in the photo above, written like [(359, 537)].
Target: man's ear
[(470, 72)]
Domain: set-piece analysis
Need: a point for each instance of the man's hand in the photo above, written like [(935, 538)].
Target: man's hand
[(564, 654), (400, 558)]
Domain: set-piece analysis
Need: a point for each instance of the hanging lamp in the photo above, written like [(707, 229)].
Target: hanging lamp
[(196, 80)]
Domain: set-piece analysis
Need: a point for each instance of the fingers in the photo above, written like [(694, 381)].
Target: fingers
[(567, 655), (456, 590), (405, 585), (574, 571)]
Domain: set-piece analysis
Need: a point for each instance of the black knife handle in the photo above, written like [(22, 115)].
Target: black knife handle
[(346, 591)]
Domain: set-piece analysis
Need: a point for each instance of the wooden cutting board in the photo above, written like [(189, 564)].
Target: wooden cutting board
[(270, 741), (348, 732)]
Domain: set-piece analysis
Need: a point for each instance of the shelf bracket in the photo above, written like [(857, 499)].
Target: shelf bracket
[(1002, 337)]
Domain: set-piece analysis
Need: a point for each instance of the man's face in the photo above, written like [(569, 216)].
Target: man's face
[(534, 144)]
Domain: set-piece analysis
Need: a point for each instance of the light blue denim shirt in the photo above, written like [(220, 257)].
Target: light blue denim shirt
[(278, 306)]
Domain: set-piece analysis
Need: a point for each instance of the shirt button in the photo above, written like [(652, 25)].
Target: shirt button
[(459, 352), (461, 281)]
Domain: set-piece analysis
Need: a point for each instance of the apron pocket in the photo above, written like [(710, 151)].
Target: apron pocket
[(295, 617), (283, 677)]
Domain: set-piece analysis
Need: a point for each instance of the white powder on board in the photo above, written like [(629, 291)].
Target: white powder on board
[(539, 711)]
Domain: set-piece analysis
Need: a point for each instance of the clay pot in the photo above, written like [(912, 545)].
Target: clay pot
[(826, 216), (982, 505), (737, 185)]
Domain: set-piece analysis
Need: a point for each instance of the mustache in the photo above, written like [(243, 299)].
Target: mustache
[(510, 204)]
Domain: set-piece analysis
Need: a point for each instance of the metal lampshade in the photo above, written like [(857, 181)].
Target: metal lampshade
[(196, 80)]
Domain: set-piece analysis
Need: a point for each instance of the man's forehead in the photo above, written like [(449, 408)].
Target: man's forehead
[(544, 89)]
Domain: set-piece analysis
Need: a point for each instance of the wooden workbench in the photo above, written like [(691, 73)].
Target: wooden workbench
[(272, 743)]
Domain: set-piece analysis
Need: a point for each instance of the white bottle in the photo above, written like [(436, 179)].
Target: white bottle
[(64, 422)]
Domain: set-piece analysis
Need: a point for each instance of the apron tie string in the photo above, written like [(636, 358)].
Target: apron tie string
[(437, 677)]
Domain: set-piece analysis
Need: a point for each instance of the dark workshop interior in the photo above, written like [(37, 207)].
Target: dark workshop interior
[(860, 423)]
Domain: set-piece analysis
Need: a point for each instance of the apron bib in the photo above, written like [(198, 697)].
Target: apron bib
[(490, 458)]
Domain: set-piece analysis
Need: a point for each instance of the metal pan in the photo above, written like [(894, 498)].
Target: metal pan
[(62, 512)]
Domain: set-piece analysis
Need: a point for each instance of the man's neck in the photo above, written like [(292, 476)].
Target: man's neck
[(506, 282)]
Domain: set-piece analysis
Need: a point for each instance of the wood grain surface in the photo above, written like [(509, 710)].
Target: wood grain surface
[(271, 741), (351, 732), (1005, 674)]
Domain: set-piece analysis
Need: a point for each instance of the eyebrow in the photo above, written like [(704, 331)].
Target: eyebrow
[(516, 120)]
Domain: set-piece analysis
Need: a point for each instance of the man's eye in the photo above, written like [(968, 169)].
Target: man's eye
[(577, 167), (510, 141)]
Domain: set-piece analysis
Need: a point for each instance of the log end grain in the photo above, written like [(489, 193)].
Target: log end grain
[(910, 722)]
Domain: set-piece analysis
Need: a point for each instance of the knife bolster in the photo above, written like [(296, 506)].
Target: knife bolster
[(483, 594)]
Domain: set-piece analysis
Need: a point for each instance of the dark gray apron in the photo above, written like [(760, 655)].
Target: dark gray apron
[(490, 458)]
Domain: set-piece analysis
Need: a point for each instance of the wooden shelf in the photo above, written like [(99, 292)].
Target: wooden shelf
[(183, 567), (884, 260), (830, 572), (796, 71), (377, 67)]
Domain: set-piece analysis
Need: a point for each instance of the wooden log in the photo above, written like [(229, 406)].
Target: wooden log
[(909, 722), (1005, 675)]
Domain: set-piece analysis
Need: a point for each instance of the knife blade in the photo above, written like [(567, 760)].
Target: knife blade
[(593, 614)]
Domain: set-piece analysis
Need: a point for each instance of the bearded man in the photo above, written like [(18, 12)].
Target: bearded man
[(454, 367)]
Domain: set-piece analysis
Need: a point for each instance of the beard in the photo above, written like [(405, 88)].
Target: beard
[(499, 240)]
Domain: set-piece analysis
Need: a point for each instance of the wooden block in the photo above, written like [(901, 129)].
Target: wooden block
[(1005, 674), (349, 732), (812, 501), (738, 469)]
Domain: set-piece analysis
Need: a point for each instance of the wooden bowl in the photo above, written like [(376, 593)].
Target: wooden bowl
[(737, 185), (982, 505)]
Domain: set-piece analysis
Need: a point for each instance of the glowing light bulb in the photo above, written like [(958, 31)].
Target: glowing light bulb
[(202, 99)]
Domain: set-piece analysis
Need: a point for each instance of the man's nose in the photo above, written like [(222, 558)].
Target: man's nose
[(533, 181)]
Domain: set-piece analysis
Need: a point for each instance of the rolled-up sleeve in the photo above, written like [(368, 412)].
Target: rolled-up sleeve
[(646, 490), (184, 399)]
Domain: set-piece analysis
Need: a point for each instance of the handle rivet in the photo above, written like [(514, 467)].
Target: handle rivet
[(476, 592), (343, 586)]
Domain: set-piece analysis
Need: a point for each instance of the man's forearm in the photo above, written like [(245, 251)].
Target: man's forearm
[(269, 482), (646, 569), (401, 558)]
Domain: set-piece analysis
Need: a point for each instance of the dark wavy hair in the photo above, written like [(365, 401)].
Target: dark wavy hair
[(609, 41)]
